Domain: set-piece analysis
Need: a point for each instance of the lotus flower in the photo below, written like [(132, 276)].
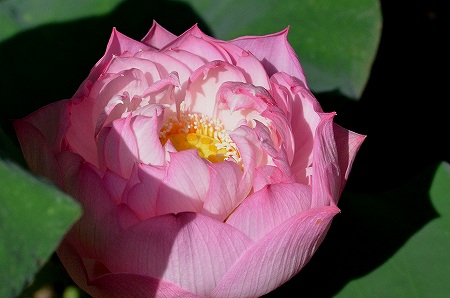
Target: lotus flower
[(205, 168)]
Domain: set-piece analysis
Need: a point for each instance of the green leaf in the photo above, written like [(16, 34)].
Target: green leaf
[(34, 216), (19, 15), (336, 41), (420, 268)]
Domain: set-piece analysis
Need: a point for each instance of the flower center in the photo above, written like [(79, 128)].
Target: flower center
[(198, 131)]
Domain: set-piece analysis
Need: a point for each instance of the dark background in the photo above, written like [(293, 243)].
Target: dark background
[(403, 111)]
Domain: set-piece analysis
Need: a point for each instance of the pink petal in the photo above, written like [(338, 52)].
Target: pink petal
[(189, 59), (189, 250), (277, 156), (274, 51), (253, 70), (115, 184), (52, 122), (224, 192), (117, 147), (166, 65), (305, 118), (205, 83), (348, 144), (158, 36), (70, 164), (102, 220), (326, 173), (269, 175), (199, 46), (120, 285), (142, 197), (146, 131), (236, 96), (265, 209), (185, 184), (148, 68), (36, 151), (278, 256), (117, 45)]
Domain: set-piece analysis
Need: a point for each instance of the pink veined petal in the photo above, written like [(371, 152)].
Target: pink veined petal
[(306, 110), (36, 151), (189, 59), (236, 96), (161, 92), (278, 156), (275, 52), (224, 192), (80, 135), (253, 70), (185, 184), (196, 42), (117, 147), (143, 196), (116, 185), (188, 249), (146, 131), (326, 174), (102, 219), (148, 68), (51, 121), (205, 82), (268, 175), (278, 256), (267, 208), (69, 164), (126, 285), (158, 36), (166, 65), (348, 144), (117, 45)]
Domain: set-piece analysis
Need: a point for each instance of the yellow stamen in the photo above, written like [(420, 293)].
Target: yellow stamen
[(207, 135)]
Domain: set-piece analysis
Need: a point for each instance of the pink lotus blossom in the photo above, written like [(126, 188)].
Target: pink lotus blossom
[(205, 168)]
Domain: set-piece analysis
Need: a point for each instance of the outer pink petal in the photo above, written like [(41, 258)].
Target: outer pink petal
[(192, 41), (278, 256), (116, 185), (158, 37), (326, 173), (51, 120), (303, 108), (274, 51), (224, 192), (37, 153), (117, 45), (143, 196), (253, 70), (348, 144), (102, 220), (190, 250), (103, 284), (185, 184), (125, 285), (265, 209)]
